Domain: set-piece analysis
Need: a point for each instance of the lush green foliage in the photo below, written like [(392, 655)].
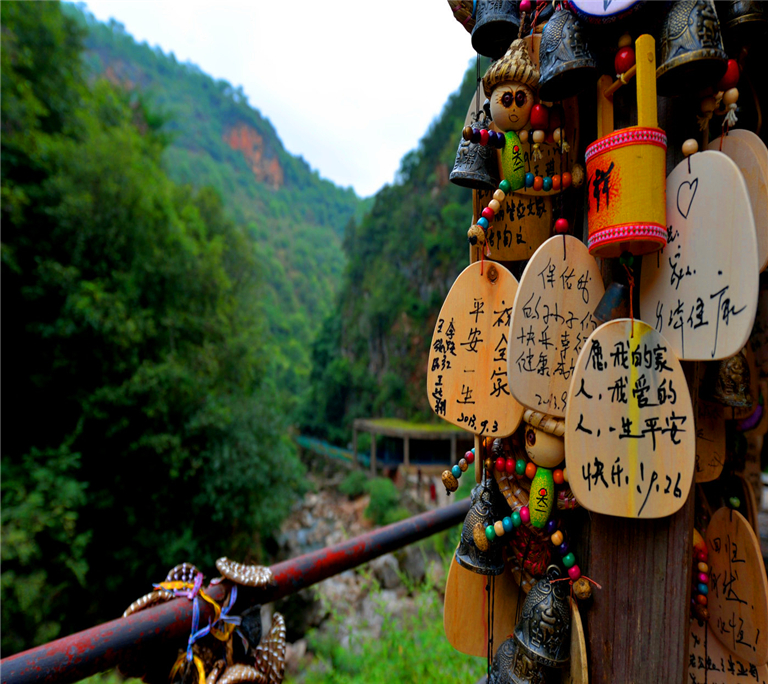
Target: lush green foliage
[(370, 356), (138, 428), (297, 217), (354, 484)]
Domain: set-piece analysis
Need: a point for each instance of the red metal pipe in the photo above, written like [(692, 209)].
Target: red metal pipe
[(105, 646)]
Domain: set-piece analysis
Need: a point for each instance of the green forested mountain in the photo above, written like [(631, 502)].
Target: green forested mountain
[(216, 139), (370, 358)]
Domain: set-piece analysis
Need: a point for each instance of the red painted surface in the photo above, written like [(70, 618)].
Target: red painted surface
[(105, 646)]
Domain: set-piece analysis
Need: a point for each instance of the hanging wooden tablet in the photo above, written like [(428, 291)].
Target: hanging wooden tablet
[(467, 374), (738, 588), (465, 611), (710, 441), (526, 217), (577, 672), (700, 291), (551, 320), (746, 150), (630, 438), (758, 339), (709, 662)]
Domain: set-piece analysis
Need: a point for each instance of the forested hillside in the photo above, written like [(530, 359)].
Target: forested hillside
[(216, 139), (370, 358)]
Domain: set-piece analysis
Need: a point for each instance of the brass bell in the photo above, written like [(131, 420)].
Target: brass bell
[(496, 26), (613, 304), (476, 166), (691, 48), (566, 63), (744, 22), (482, 556), (542, 637), (728, 381)]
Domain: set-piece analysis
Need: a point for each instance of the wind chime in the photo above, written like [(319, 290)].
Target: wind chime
[(575, 393)]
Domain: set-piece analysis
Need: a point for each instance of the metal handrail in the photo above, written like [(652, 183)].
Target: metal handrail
[(100, 648)]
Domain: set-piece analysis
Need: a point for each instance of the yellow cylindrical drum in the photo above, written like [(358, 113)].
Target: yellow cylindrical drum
[(627, 192)]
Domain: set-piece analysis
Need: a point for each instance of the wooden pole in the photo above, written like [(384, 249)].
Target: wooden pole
[(406, 450)]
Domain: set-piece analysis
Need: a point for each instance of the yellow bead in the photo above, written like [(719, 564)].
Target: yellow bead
[(463, 465), (703, 567), (539, 136), (499, 196), (625, 41), (731, 96), (498, 528), (557, 538), (494, 205), (690, 147), (523, 135), (565, 474), (557, 135)]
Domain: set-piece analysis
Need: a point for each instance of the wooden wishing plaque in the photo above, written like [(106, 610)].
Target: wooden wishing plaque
[(467, 374), (700, 291), (710, 441), (577, 673), (750, 154), (738, 588), (465, 611), (551, 320), (758, 340), (630, 439), (709, 662)]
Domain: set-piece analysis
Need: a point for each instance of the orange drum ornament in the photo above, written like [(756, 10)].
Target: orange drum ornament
[(626, 170)]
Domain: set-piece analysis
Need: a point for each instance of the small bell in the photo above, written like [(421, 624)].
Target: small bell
[(613, 304), (475, 552), (542, 637), (730, 381), (476, 165), (692, 54), (496, 26), (566, 63)]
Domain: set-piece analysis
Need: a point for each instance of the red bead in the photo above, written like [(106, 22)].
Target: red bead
[(501, 464), (525, 514), (700, 598), (509, 466), (625, 60), (574, 572), (539, 117), (556, 182), (470, 456), (561, 226), (567, 180), (530, 471), (731, 78), (483, 137), (557, 476), (525, 6), (538, 183), (488, 214), (703, 578), (702, 556)]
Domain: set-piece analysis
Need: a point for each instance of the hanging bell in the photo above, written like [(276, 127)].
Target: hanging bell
[(613, 304), (496, 26), (744, 22), (730, 381), (476, 552), (476, 166), (566, 63), (691, 49), (542, 637)]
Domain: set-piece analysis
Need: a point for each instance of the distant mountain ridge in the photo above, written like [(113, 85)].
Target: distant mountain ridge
[(297, 219)]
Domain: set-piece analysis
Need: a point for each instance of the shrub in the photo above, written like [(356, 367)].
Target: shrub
[(384, 499)]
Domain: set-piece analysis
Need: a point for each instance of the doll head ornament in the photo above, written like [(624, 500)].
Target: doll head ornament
[(510, 84)]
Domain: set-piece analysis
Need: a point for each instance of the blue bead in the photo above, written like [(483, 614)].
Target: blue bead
[(703, 589), (547, 183), (507, 522), (475, 136), (473, 450), (456, 471), (529, 180), (483, 222), (564, 548), (551, 526)]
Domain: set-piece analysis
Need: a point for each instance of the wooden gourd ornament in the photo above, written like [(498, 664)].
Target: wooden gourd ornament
[(630, 438), (700, 291), (738, 594)]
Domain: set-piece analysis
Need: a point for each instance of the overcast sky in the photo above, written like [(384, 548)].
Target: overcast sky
[(351, 85)]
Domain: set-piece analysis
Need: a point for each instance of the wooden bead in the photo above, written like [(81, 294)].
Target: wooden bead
[(577, 174), (701, 612), (690, 147), (525, 515), (557, 475), (708, 105), (557, 538), (567, 180), (556, 182), (702, 567), (539, 136), (463, 465), (470, 456), (574, 572), (701, 599), (523, 135), (498, 528), (565, 475), (731, 77), (488, 214), (530, 471), (450, 482), (731, 96), (475, 235), (539, 119), (582, 589), (561, 226), (499, 196), (557, 135), (483, 137), (625, 40), (624, 60), (494, 205), (478, 535), (467, 133), (538, 183)]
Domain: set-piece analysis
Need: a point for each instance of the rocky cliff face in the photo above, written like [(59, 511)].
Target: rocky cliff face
[(246, 140)]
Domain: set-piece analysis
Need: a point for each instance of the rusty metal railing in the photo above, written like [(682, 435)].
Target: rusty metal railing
[(105, 646)]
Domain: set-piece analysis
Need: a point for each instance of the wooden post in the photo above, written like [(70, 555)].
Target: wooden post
[(406, 450), (373, 453)]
